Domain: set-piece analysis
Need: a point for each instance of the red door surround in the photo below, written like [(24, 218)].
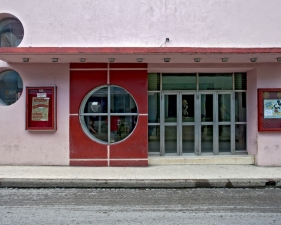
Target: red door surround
[(133, 150)]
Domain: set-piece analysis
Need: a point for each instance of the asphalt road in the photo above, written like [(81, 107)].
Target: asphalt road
[(140, 206)]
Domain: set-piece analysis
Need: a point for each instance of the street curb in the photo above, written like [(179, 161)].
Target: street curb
[(138, 183)]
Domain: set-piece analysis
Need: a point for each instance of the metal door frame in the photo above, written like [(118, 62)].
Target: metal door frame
[(196, 117), (197, 121), (163, 123), (215, 123), (178, 123)]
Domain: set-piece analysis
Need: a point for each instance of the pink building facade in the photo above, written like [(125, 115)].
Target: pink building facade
[(160, 78)]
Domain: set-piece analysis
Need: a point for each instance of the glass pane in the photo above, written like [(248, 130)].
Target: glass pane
[(224, 138), (153, 82), (206, 107), (153, 108), (240, 107), (179, 81), (240, 81), (224, 108), (170, 107), (97, 127), (188, 139), (219, 81), (240, 137), (121, 101), (11, 32), (121, 127), (11, 87), (271, 110), (154, 139), (170, 139), (188, 108), (97, 102), (206, 138)]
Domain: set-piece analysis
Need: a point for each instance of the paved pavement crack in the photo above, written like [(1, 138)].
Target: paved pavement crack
[(79, 173)]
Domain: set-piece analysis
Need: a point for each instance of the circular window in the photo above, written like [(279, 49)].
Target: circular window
[(108, 114), (10, 87), (11, 32)]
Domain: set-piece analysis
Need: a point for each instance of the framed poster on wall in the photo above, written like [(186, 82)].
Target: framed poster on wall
[(269, 109), (41, 112)]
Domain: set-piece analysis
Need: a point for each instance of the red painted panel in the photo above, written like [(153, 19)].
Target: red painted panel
[(135, 146), (128, 163), (135, 82), (81, 146), (88, 163), (127, 65), (87, 65), (81, 82)]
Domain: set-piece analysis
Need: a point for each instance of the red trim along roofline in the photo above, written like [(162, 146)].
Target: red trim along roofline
[(133, 50)]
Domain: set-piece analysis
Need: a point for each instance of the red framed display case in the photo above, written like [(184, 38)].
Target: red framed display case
[(41, 108), (269, 109)]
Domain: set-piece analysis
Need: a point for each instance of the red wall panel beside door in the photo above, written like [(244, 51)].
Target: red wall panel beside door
[(132, 151), (135, 82), (81, 82)]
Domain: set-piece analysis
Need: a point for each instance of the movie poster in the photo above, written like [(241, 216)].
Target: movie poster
[(272, 108), (40, 109)]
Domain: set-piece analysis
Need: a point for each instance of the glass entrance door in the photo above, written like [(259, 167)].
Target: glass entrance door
[(197, 114), (178, 123), (170, 123), (216, 123), (188, 118), (197, 123)]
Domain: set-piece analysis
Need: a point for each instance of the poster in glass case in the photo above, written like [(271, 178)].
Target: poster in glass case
[(269, 109), (41, 108), (272, 108)]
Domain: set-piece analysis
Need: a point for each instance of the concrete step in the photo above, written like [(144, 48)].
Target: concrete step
[(203, 160)]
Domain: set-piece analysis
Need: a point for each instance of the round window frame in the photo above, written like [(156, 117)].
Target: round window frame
[(2, 103), (108, 114), (7, 16)]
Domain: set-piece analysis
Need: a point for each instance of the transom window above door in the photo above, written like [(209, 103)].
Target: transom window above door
[(196, 81)]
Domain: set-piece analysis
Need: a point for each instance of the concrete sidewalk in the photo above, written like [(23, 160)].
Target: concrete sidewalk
[(164, 176)]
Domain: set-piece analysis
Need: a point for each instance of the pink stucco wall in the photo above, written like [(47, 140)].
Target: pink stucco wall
[(52, 148), (266, 146), (252, 119), (269, 143), (125, 23), (21, 147), (143, 23)]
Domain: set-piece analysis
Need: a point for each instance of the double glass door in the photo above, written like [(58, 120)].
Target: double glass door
[(197, 123)]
